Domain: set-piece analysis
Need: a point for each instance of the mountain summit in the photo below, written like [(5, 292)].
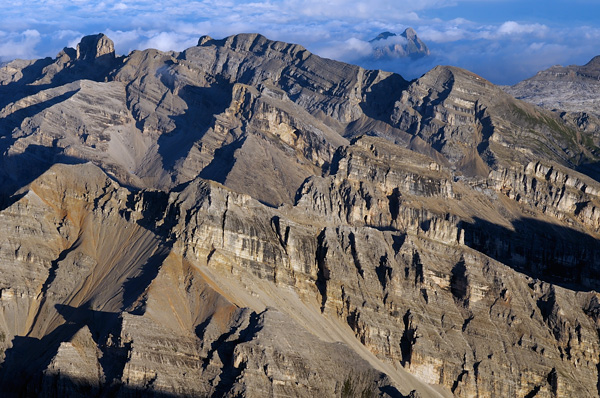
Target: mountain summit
[(571, 88), (407, 44)]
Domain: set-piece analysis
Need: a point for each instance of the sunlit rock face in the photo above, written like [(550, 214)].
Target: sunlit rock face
[(245, 218)]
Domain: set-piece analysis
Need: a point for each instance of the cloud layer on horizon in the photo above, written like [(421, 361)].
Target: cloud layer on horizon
[(502, 52)]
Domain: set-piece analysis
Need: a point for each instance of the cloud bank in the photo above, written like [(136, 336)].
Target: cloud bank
[(503, 51)]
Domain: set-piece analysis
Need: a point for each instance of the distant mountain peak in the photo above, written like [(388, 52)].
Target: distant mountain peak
[(594, 62), (392, 45), (409, 33), (383, 36)]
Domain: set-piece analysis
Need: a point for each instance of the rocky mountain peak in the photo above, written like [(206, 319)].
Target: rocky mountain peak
[(407, 44), (415, 46), (383, 36), (259, 44), (95, 47), (594, 61), (204, 39), (409, 33)]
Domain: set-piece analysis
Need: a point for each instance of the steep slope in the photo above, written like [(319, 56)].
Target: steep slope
[(403, 269), (477, 127), (572, 93), (157, 119)]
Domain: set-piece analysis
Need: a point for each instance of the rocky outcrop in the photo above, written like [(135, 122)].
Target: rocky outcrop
[(94, 48)]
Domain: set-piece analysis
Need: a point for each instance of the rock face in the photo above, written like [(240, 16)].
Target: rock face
[(572, 93), (407, 44), (247, 219), (92, 48), (572, 88)]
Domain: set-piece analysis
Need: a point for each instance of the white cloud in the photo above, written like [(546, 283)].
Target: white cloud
[(515, 28), (19, 45), (125, 41), (120, 6), (166, 41), (443, 34), (390, 9), (348, 50)]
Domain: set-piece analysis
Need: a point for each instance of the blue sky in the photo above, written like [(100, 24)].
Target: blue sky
[(504, 41)]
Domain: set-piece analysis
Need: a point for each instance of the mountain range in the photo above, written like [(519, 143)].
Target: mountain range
[(245, 218)]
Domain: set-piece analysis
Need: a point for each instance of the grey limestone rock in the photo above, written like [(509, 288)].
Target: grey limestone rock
[(571, 88), (245, 218)]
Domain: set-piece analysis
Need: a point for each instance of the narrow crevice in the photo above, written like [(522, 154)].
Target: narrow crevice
[(466, 322), (322, 270), (394, 204), (458, 380), (281, 236), (408, 339), (553, 380), (425, 295), (417, 265), (230, 372), (459, 283), (384, 271), (354, 253), (533, 392), (223, 220), (210, 254)]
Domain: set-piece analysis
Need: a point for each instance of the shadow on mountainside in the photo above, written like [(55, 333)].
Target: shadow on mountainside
[(549, 252), (57, 385), (22, 375), (22, 371), (21, 88), (590, 169), (379, 101), (17, 171), (15, 119), (95, 70), (203, 104)]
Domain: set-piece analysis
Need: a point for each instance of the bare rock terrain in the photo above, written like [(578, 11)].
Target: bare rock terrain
[(245, 218), (571, 88)]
